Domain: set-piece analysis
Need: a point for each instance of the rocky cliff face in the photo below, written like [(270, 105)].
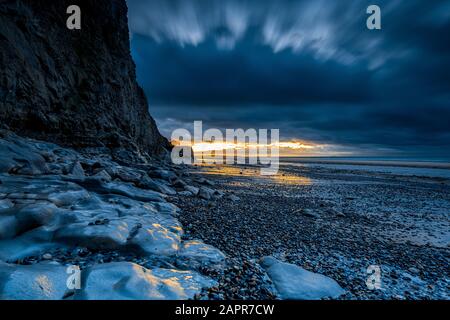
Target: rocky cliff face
[(74, 87)]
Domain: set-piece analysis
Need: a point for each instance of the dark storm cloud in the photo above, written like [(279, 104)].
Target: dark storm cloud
[(310, 68), (246, 75)]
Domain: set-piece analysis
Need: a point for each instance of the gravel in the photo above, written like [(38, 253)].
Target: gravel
[(352, 221)]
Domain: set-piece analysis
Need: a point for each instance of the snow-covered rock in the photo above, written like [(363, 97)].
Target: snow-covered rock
[(295, 283)]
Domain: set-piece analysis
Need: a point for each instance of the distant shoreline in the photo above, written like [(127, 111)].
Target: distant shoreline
[(429, 164)]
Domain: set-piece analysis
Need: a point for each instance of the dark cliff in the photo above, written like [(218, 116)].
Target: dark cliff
[(74, 87)]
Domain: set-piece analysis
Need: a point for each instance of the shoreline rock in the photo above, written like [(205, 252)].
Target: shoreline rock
[(295, 283), (44, 215)]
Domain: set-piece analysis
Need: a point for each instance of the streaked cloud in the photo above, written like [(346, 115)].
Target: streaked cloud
[(308, 67)]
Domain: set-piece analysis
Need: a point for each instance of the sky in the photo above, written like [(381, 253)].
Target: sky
[(310, 68)]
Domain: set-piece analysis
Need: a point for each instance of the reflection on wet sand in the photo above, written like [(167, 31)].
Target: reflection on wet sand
[(254, 173)]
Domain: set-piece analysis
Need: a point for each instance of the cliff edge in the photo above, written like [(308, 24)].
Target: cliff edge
[(77, 88)]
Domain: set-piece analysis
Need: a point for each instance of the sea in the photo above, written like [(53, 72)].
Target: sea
[(423, 167)]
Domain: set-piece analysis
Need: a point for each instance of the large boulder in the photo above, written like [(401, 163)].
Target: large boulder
[(295, 283), (129, 281)]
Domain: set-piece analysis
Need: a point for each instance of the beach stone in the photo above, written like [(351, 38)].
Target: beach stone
[(128, 207), (20, 157), (309, 213), (156, 239), (166, 208), (335, 212), (218, 194), (195, 254), (35, 282), (204, 181), (155, 234), (43, 188), (102, 176), (206, 193), (162, 174), (129, 281), (55, 169), (6, 204), (110, 235), (185, 194), (34, 242), (295, 283), (151, 184), (128, 175), (233, 198), (69, 197), (192, 189), (178, 183), (9, 226), (47, 256), (77, 170), (132, 192), (36, 215)]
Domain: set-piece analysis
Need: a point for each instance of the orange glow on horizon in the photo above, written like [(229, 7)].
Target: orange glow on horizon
[(286, 148)]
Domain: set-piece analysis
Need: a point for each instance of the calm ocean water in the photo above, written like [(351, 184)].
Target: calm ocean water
[(436, 168)]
